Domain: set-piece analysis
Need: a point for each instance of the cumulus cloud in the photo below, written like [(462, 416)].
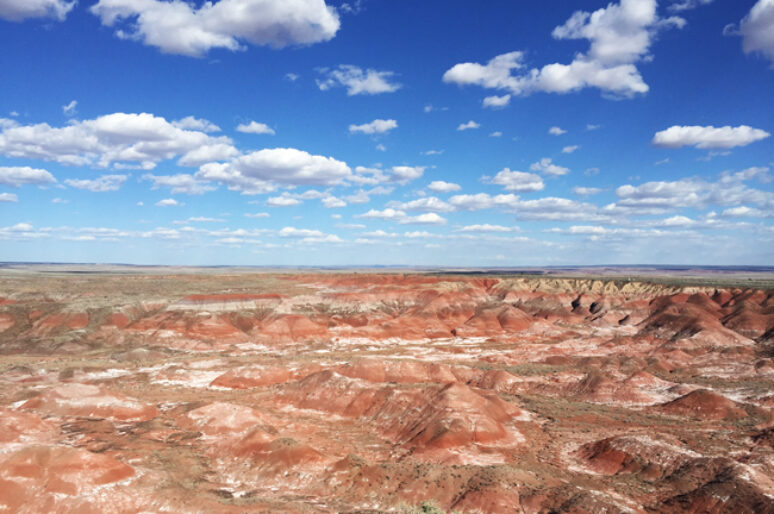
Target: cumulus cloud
[(180, 183), (748, 212), (570, 148), (556, 209), (518, 181), (261, 171), (283, 200), (488, 228), (255, 127), (482, 201), (390, 214), (120, 139), (427, 204), (430, 218), (178, 27), (406, 173), (556, 131), (358, 81), (496, 133), (8, 197), (192, 123), (299, 232), (331, 202), (497, 102), (586, 191), (439, 186), (19, 10), (547, 167), (99, 185), (619, 35), (708, 137), (757, 30), (469, 125), (309, 236), (169, 202), (663, 196), (377, 126), (17, 176)]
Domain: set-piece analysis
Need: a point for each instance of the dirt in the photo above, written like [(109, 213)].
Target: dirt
[(367, 392)]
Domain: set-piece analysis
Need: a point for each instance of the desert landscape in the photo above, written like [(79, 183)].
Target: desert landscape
[(172, 390)]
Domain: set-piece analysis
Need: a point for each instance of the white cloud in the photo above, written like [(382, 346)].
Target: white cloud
[(518, 181), (556, 209), (433, 152), (8, 197), (357, 81), (430, 218), (284, 200), (619, 36), (292, 77), (556, 131), (469, 125), (70, 109), (257, 215), (123, 140), (18, 176), (101, 184), (192, 123), (570, 149), (686, 5), (708, 137), (407, 173), (426, 204), (497, 102), (661, 196), (169, 202), (300, 232), (178, 27), (18, 10), (496, 133), (255, 128), (381, 147), (180, 184), (546, 166), (747, 212), (586, 191), (488, 228), (677, 221), (439, 186), (331, 202), (370, 176), (757, 29), (591, 127), (759, 173), (260, 172), (482, 201), (386, 214), (375, 127), (496, 74), (390, 214)]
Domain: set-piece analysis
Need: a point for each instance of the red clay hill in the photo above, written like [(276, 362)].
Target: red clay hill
[(343, 392)]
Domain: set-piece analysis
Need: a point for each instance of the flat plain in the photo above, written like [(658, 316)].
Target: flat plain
[(238, 390)]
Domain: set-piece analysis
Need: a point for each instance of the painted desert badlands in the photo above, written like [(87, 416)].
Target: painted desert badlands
[(366, 392)]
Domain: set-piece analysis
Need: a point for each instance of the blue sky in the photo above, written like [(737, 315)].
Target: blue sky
[(304, 132)]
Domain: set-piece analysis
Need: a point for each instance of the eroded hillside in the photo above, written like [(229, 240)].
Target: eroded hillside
[(366, 392)]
